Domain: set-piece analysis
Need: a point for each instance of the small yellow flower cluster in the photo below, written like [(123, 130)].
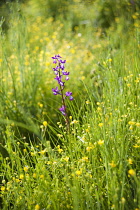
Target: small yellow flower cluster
[(100, 142), (85, 159), (42, 152), (26, 168), (59, 149), (66, 159), (74, 122), (130, 161), (78, 172), (132, 123), (100, 125), (112, 164)]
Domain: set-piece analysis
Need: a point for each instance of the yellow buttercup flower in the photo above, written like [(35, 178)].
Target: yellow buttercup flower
[(45, 123), (131, 172), (100, 125), (37, 207), (78, 173), (21, 176), (101, 142)]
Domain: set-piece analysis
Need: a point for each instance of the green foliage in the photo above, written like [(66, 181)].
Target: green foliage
[(95, 165), (99, 13)]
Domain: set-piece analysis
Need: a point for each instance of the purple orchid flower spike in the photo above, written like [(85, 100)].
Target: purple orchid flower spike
[(60, 76)]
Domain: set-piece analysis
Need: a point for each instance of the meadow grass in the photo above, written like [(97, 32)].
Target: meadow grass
[(94, 166)]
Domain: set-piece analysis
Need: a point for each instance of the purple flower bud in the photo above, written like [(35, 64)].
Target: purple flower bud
[(56, 70), (68, 93), (56, 57), (63, 61), (63, 109), (65, 73), (71, 98), (58, 78), (56, 91), (61, 83), (62, 66)]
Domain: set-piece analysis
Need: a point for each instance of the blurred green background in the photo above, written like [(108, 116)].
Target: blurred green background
[(100, 13)]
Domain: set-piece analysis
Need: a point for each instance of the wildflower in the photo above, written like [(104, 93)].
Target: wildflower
[(45, 123), (85, 159), (78, 173), (2, 188), (24, 150), (130, 161), (87, 130), (138, 124), (99, 109), (21, 176), (32, 154), (34, 175), (42, 152), (88, 149), (59, 149), (136, 146), (87, 102), (37, 207), (101, 142), (66, 159), (131, 172), (131, 123), (63, 110), (74, 122), (137, 80), (112, 164), (69, 94), (39, 104), (100, 125), (41, 176), (131, 127), (60, 72), (26, 168), (123, 200), (56, 91)]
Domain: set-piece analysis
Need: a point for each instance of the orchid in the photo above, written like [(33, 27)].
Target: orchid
[(61, 74)]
